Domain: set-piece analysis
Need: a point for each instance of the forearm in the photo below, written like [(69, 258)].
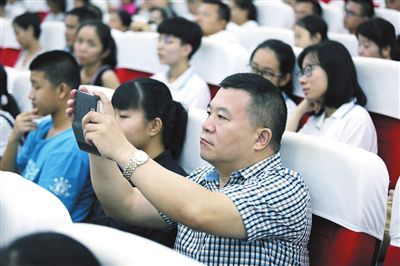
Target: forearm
[(9, 160), (294, 121)]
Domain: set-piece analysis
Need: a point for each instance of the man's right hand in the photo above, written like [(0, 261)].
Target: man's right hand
[(24, 123)]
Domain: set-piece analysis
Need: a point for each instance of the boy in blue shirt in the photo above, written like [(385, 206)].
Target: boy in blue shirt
[(50, 156)]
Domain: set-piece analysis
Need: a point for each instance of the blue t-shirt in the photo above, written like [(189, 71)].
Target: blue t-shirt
[(58, 165)]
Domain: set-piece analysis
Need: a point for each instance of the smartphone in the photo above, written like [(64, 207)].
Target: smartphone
[(84, 103)]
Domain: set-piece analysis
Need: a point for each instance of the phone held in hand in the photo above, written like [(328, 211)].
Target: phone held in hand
[(84, 103)]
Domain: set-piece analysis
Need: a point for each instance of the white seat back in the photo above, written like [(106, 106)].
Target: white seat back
[(348, 40), (53, 35), (27, 208), (138, 51), (395, 220), (115, 247), (250, 38), (274, 14), (21, 88), (380, 80), (11, 76), (107, 91), (7, 34), (391, 15), (333, 16), (190, 157), (348, 185), (216, 60)]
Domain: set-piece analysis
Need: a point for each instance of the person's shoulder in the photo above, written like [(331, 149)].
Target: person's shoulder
[(199, 173)]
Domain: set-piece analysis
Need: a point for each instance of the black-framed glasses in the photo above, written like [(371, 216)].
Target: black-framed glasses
[(266, 73), (308, 70)]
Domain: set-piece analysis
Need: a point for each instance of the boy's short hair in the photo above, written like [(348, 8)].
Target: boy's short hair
[(58, 67), (187, 31)]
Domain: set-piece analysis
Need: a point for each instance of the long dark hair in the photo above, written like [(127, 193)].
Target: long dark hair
[(7, 101), (106, 39), (154, 99), (285, 55), (338, 65)]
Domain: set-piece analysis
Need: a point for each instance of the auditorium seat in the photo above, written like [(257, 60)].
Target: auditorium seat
[(9, 47), (380, 81), (11, 76), (333, 16), (27, 208), (348, 188), (391, 15), (392, 257), (275, 14), (347, 39), (52, 36), (21, 88), (250, 38), (137, 55), (190, 157), (114, 247)]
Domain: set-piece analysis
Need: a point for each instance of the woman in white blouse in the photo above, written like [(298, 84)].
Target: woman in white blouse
[(333, 98)]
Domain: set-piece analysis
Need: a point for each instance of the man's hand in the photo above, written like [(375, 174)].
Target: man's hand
[(24, 123)]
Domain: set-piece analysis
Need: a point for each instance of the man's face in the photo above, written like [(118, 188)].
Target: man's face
[(71, 25), (208, 19), (43, 95), (227, 137), (303, 9), (353, 16)]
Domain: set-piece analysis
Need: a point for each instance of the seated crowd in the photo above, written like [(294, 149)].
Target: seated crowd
[(246, 208)]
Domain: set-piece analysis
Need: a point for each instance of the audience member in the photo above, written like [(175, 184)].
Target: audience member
[(120, 20), (154, 123), (217, 210), (8, 111), (303, 8), (50, 156), (310, 30), (243, 14), (155, 17), (393, 4), (193, 6), (377, 38), (334, 98), (73, 20), (46, 249), (96, 52), (144, 10), (274, 60), (179, 39), (27, 32), (89, 5), (124, 5), (56, 10), (213, 16), (357, 12), (2, 8)]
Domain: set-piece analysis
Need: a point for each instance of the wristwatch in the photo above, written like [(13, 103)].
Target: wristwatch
[(138, 158)]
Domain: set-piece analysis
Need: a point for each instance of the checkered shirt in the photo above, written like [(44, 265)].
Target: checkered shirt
[(275, 207)]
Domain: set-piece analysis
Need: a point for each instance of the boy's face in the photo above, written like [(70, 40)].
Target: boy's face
[(43, 95), (171, 50)]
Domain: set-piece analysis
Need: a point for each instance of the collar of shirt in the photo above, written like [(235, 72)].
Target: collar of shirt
[(341, 112), (249, 171), (181, 81)]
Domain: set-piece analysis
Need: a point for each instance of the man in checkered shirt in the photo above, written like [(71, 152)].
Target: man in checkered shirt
[(245, 210)]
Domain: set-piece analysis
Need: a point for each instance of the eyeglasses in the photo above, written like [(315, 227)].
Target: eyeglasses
[(351, 13), (308, 70), (268, 74)]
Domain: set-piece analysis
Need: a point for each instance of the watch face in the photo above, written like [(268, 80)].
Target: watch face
[(141, 157)]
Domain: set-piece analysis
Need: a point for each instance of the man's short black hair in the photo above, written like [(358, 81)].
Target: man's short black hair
[(317, 9), (367, 7), (224, 12), (83, 14), (267, 106), (187, 31), (58, 67)]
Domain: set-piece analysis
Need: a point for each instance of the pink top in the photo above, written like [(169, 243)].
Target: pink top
[(129, 8)]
